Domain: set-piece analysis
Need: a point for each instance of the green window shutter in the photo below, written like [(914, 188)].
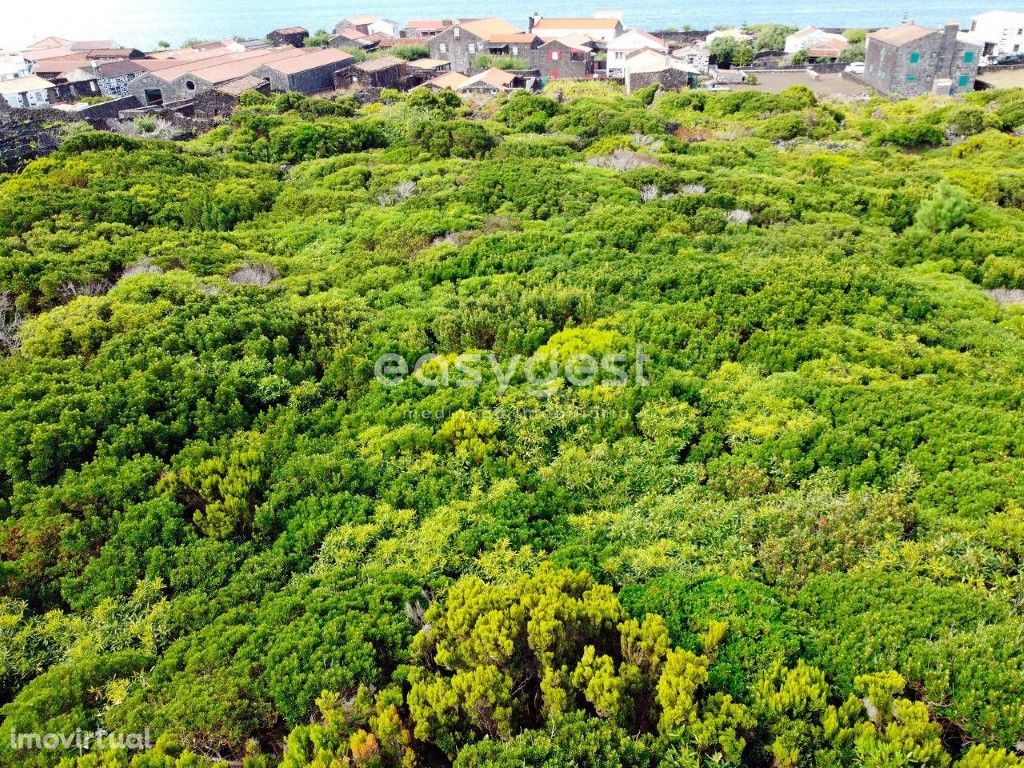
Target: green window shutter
[(911, 78), (968, 57), (915, 57), (964, 80)]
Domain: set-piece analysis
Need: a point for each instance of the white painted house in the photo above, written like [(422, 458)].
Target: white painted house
[(26, 92), (628, 43), (13, 65), (810, 38), (998, 32), (603, 30)]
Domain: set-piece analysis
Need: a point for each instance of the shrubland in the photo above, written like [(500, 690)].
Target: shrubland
[(795, 540)]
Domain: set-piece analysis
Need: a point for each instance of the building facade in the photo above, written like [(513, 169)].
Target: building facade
[(910, 60), (998, 32), (12, 66), (628, 43), (563, 60), (385, 72), (811, 38), (596, 29), (30, 92)]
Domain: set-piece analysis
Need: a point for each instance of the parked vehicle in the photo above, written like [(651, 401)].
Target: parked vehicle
[(855, 68), (1008, 58)]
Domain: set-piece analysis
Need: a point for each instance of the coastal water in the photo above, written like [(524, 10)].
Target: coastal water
[(143, 24)]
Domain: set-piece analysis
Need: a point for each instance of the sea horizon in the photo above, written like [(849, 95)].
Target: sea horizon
[(176, 21)]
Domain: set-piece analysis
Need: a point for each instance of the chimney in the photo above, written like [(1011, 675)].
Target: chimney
[(533, 20)]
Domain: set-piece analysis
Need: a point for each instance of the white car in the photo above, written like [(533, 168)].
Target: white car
[(855, 68)]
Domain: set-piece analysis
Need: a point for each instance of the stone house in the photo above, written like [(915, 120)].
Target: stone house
[(463, 41), (352, 38), (493, 81), (384, 72), (424, 29), (293, 36), (422, 70), (568, 58), (448, 81), (694, 56), (286, 69), (649, 67), (310, 73), (112, 78), (910, 60)]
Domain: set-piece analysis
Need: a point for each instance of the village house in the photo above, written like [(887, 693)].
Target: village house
[(424, 29), (600, 29), (998, 32), (462, 42), (286, 69), (910, 60), (13, 65), (30, 92), (448, 81), (628, 43), (649, 67), (352, 38), (293, 36), (368, 25), (312, 72), (695, 57), (568, 58), (383, 72), (422, 70), (811, 38), (112, 78), (492, 82)]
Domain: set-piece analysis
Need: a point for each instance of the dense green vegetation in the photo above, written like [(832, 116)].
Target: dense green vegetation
[(795, 540)]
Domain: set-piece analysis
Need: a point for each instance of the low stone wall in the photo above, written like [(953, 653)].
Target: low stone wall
[(669, 79), (25, 138), (26, 134)]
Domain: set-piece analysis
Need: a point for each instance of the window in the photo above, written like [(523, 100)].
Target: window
[(515, 50), (471, 48), (443, 48), (915, 57), (965, 80), (455, 33), (968, 57), (189, 85), (554, 55)]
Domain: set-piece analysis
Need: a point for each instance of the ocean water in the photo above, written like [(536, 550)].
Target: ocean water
[(142, 23)]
